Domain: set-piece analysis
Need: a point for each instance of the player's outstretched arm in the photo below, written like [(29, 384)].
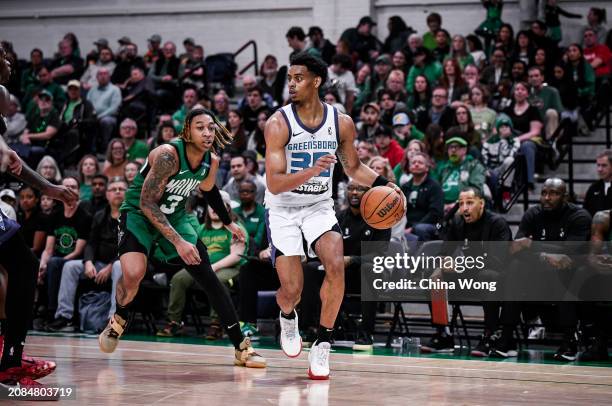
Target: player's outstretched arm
[(277, 178), (164, 163), (353, 167), (16, 167)]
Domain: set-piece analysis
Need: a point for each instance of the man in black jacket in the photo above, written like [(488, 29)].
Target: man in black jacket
[(79, 122), (425, 201), (475, 227), (554, 219), (99, 259), (354, 232), (598, 196)]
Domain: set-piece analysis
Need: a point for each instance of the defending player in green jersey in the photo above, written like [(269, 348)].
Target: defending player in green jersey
[(154, 213)]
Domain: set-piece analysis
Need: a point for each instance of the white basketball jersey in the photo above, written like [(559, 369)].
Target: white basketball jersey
[(304, 147)]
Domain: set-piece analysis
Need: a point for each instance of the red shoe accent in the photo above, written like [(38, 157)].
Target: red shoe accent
[(12, 376), (37, 368), (298, 354), (317, 377)]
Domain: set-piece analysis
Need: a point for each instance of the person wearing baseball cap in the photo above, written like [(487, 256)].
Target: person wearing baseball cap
[(154, 49), (459, 170), (124, 40), (404, 130), (370, 115), (189, 45), (101, 43), (78, 115), (387, 146), (362, 41)]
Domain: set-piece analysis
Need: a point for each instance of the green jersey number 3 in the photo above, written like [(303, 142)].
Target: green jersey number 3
[(173, 201)]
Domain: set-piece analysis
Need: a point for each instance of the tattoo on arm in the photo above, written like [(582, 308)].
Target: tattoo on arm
[(153, 189), (342, 156), (32, 178)]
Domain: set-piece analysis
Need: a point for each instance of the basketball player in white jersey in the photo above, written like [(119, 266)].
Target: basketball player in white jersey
[(302, 142)]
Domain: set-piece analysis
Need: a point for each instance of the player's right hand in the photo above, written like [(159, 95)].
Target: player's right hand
[(188, 252), (324, 163), (62, 193)]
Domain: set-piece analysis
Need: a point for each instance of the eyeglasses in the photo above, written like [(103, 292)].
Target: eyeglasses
[(117, 189)]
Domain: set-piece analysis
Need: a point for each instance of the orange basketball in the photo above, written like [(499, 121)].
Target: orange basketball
[(382, 207)]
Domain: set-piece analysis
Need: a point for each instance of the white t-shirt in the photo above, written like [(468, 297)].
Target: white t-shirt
[(345, 82)]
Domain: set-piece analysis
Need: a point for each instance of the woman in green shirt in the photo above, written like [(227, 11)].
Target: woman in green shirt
[(482, 116), (88, 168)]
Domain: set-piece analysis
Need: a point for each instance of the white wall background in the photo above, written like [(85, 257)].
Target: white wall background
[(224, 25)]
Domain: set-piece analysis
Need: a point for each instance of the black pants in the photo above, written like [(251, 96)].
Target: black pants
[(22, 268), (311, 301), (254, 276), (218, 295)]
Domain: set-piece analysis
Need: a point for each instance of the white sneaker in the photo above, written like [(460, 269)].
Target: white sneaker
[(290, 339), (319, 361)]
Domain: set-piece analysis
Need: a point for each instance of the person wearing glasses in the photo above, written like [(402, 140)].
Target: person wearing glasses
[(98, 263), (137, 150)]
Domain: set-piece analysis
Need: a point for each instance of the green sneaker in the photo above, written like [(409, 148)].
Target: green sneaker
[(249, 330)]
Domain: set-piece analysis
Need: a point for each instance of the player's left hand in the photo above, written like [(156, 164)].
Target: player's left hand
[(236, 231), (399, 192)]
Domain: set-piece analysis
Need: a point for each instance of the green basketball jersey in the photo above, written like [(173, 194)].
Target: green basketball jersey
[(178, 188)]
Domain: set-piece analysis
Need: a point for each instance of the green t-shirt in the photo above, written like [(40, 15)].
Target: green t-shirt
[(69, 112), (178, 188), (546, 98), (219, 242), (429, 41), (85, 192), (138, 150), (255, 223)]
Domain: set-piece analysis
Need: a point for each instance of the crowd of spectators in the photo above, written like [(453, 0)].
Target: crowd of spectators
[(441, 114)]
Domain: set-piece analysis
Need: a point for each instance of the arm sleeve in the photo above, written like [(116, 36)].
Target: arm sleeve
[(213, 197)]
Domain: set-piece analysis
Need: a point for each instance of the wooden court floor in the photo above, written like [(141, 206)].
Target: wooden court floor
[(144, 373)]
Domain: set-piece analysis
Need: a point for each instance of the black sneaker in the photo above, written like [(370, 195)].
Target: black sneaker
[(597, 351), (439, 343), (505, 347), (365, 342), (61, 324), (484, 346), (567, 351)]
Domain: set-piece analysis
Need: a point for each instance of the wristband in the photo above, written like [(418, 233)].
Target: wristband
[(380, 181)]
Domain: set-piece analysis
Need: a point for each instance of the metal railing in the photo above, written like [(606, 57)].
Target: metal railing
[(254, 62)]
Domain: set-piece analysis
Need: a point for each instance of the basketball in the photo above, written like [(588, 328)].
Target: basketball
[(382, 207)]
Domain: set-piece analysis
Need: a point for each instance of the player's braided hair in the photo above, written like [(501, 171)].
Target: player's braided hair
[(223, 137)]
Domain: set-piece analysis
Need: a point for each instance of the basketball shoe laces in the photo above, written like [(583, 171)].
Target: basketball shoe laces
[(289, 332), (322, 356)]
